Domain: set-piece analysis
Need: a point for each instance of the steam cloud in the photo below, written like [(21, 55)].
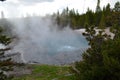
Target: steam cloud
[(40, 40)]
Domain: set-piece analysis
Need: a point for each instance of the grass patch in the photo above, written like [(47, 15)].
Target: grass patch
[(48, 72)]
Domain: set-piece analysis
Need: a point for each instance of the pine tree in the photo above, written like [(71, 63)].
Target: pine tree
[(98, 9), (117, 6), (102, 22), (107, 13), (102, 59), (108, 10), (5, 63)]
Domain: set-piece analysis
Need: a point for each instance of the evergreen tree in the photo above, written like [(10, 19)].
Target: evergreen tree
[(5, 63), (117, 6), (89, 17), (107, 13), (87, 21), (113, 18), (102, 60), (98, 9), (108, 10), (98, 16), (102, 22), (58, 18)]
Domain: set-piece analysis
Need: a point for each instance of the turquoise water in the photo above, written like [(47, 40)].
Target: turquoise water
[(66, 44), (59, 51), (41, 41)]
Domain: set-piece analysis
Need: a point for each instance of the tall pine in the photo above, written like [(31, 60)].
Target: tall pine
[(101, 61), (5, 63), (102, 22)]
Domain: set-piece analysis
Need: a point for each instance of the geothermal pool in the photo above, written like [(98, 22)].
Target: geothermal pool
[(55, 51), (40, 41)]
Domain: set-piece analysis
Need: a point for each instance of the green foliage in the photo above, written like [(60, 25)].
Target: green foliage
[(102, 22), (117, 6), (98, 9), (5, 63), (101, 18), (102, 60)]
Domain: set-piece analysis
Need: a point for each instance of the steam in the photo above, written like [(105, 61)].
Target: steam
[(40, 40)]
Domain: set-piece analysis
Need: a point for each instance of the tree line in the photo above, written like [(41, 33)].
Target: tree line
[(101, 18), (101, 61)]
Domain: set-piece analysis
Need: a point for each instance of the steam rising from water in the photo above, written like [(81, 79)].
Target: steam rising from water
[(41, 41)]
